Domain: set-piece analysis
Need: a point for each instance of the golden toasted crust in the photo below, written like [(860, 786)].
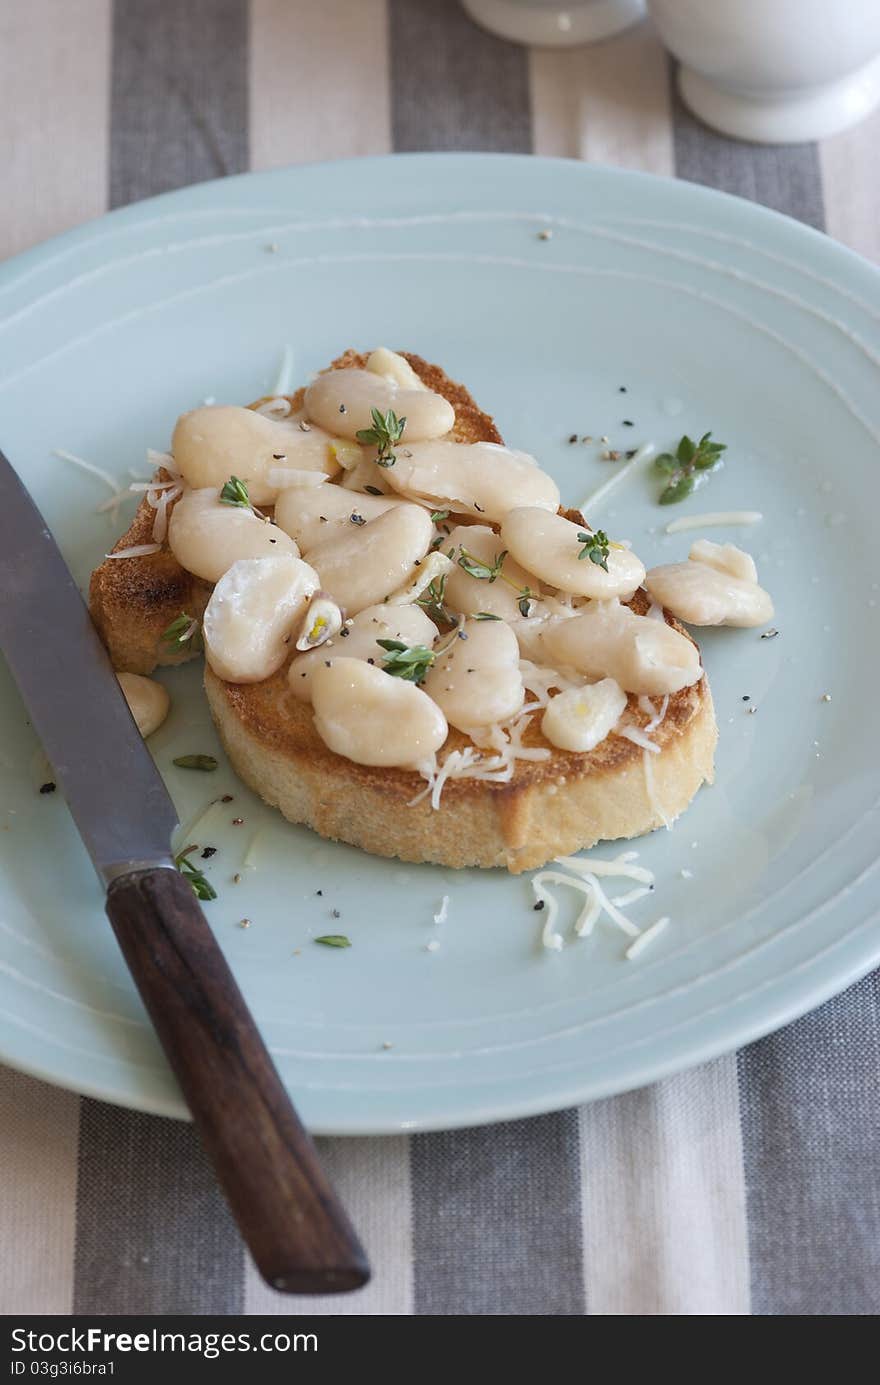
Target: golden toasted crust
[(549, 808), (134, 600)]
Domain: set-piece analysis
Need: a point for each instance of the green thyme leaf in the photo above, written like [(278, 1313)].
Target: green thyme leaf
[(201, 885), (666, 463), (525, 602), (180, 631), (387, 430), (334, 940), (437, 516), (433, 598), (203, 762), (372, 490), (410, 662), (678, 490), (475, 567), (685, 468), (484, 615), (235, 492), (595, 547)]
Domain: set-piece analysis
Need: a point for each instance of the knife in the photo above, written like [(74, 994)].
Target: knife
[(290, 1218)]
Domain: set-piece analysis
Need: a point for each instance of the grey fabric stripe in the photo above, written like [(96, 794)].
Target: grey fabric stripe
[(785, 177), (178, 105), (810, 1102), (153, 1234), (497, 1219), (453, 86), (809, 1095)]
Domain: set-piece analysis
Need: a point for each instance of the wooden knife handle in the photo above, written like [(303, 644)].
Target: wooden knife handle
[(295, 1228)]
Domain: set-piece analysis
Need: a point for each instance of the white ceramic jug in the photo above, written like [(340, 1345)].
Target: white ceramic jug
[(775, 71)]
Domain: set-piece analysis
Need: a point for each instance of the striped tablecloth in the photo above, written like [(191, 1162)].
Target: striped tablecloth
[(751, 1185)]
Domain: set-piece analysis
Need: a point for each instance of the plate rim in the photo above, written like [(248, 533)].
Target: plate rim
[(861, 952)]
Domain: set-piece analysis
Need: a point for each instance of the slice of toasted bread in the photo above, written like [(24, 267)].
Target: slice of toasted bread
[(549, 808), (134, 600)]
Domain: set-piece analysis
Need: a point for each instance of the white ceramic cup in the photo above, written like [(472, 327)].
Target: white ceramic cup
[(775, 71), (549, 24)]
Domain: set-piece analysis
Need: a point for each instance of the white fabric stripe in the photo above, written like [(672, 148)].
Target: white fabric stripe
[(851, 187), (55, 80), (605, 103), (39, 1128), (372, 1177), (663, 1199), (319, 82)]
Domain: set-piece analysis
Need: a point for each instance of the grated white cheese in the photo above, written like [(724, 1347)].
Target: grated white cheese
[(285, 373), (160, 497), (642, 941), (138, 550), (442, 913), (638, 737), (592, 501), (89, 467), (584, 877), (274, 408), (248, 860), (652, 792), (647, 706), (504, 740), (715, 519), (163, 460)]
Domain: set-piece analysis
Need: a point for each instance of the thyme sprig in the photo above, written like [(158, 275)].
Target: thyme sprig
[(476, 567), (180, 631), (491, 572), (235, 492), (201, 885), (595, 547), (688, 467), (433, 600), (387, 430), (410, 662), (205, 763)]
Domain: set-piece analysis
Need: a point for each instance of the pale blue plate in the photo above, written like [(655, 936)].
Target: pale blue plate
[(713, 314)]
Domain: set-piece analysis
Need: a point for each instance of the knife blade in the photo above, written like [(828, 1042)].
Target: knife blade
[(119, 802), (296, 1229)]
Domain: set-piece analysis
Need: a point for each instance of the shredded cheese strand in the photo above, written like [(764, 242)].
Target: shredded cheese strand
[(285, 373), (138, 550), (642, 941), (714, 519), (592, 501), (89, 467)]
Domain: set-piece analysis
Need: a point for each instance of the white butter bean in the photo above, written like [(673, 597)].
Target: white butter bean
[(370, 717), (703, 591), (252, 611), (365, 565), (395, 367), (726, 557), (548, 545), (610, 640), (342, 402), (406, 623), (469, 594), (477, 681), (478, 478), (312, 517), (579, 718), (207, 537), (222, 440), (148, 701)]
